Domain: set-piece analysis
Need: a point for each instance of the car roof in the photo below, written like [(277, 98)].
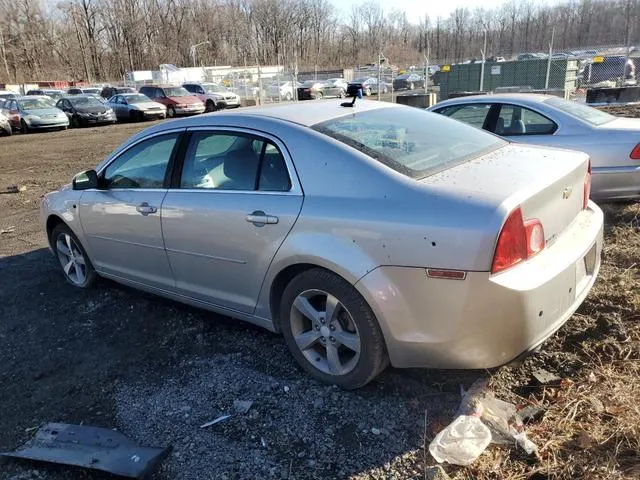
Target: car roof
[(312, 113), (501, 97)]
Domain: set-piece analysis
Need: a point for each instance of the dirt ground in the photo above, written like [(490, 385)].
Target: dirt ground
[(156, 370)]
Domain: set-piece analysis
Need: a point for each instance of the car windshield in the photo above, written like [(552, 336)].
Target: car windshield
[(404, 77), (213, 88), (125, 90), (137, 98), (91, 90), (36, 103), (54, 94), (411, 141), (85, 101), (176, 92), (360, 80), (588, 114), (310, 83)]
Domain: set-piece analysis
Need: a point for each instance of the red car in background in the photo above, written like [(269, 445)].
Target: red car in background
[(177, 99)]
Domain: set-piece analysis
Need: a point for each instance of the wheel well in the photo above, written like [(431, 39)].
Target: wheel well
[(52, 222), (280, 283)]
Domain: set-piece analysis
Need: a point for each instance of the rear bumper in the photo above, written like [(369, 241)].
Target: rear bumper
[(485, 320), (615, 183)]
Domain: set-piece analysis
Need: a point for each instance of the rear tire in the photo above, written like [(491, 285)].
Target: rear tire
[(209, 106), (171, 111), (75, 123), (72, 257), (341, 345), (288, 97), (24, 128)]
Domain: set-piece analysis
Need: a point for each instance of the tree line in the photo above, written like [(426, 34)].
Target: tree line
[(100, 40)]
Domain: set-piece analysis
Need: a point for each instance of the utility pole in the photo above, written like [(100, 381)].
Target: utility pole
[(546, 81), (426, 65), (193, 50)]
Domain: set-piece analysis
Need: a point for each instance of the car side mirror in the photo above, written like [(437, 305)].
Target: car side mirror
[(85, 180)]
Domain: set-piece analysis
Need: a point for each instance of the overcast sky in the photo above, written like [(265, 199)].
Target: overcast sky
[(417, 8)]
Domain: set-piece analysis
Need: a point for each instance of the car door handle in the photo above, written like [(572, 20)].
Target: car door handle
[(145, 209), (260, 218)]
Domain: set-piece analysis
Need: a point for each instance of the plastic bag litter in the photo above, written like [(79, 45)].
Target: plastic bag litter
[(461, 442), (501, 417), (482, 419)]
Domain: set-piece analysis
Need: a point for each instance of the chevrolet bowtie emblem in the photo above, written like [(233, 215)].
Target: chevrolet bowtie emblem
[(566, 193)]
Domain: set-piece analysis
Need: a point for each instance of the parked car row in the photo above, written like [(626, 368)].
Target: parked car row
[(58, 109)]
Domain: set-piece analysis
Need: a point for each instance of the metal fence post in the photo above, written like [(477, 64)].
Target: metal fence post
[(484, 57), (546, 81), (379, 73)]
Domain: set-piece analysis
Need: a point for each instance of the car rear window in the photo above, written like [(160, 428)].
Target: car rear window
[(409, 140), (590, 115)]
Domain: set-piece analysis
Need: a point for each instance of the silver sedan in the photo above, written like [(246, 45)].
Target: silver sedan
[(613, 143), (136, 107), (368, 235)]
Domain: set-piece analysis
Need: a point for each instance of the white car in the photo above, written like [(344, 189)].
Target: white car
[(214, 96)]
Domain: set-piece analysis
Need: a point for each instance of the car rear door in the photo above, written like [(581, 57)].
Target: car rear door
[(479, 115), (229, 209), (121, 219)]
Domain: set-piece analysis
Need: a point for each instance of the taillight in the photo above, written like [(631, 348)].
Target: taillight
[(587, 187), (635, 153), (518, 241)]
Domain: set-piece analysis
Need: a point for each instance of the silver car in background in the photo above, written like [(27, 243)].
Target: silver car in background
[(34, 112), (366, 235), (613, 143), (136, 107)]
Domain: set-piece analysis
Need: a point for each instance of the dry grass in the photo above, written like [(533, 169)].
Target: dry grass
[(591, 425)]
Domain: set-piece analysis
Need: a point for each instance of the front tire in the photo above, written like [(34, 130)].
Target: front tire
[(288, 97), (210, 106), (24, 128), (74, 261), (331, 331)]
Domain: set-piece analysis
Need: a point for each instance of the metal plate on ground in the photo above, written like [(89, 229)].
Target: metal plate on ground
[(89, 447)]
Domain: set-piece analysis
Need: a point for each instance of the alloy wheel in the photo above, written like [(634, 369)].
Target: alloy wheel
[(325, 333), (71, 258)]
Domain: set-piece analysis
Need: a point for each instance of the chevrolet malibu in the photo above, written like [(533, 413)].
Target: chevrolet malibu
[(366, 236)]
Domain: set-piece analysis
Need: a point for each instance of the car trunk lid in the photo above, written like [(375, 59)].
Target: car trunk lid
[(547, 184)]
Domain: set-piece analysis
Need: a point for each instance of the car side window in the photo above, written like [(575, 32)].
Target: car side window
[(516, 120), (226, 161), (142, 166), (472, 114)]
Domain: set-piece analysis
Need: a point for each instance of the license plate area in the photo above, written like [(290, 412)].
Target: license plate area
[(585, 268)]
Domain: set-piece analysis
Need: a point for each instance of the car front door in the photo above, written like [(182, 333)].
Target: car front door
[(116, 104), (121, 219), (13, 114), (236, 200)]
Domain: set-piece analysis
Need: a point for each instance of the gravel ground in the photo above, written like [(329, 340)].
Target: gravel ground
[(156, 370)]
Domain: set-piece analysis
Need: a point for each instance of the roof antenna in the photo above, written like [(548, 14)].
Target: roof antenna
[(353, 102)]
